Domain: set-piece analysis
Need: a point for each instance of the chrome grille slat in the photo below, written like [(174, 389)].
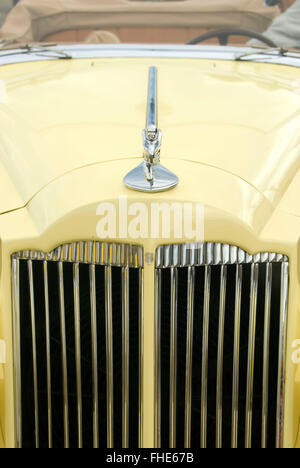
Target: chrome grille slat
[(205, 355), (34, 354), (48, 352), (125, 363), (76, 314), (173, 357), (219, 408), (157, 403), (236, 358), (78, 351), (266, 354), (64, 354), (109, 357), (251, 351), (282, 351), (237, 311), (189, 353), (17, 348), (94, 354)]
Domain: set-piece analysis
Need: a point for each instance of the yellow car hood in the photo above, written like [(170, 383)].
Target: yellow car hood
[(59, 116)]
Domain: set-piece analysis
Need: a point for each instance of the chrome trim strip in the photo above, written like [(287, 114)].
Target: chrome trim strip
[(268, 291), (205, 357), (209, 253), (109, 357), (157, 403), (251, 354), (204, 52), (282, 352), (64, 354), (34, 353), (152, 116), (17, 350), (48, 353), (189, 357), (76, 276), (94, 355), (173, 356), (97, 253), (125, 357), (219, 399), (236, 358)]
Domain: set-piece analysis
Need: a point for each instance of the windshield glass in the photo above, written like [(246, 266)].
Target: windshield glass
[(273, 23)]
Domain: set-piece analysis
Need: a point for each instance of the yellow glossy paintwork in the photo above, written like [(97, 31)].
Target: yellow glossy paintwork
[(71, 130)]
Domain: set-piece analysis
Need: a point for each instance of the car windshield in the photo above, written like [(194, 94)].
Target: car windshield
[(270, 23)]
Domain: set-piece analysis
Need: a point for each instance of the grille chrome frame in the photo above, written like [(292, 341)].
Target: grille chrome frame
[(207, 255), (97, 253), (108, 255)]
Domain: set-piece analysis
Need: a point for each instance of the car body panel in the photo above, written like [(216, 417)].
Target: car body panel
[(45, 103)]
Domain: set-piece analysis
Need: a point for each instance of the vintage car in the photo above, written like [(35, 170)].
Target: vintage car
[(149, 279)]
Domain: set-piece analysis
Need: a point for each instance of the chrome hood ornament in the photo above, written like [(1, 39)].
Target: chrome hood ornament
[(151, 176)]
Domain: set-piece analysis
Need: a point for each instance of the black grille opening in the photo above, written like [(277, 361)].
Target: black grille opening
[(228, 355), (57, 394)]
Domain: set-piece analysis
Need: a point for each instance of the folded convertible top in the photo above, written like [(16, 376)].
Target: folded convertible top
[(35, 20)]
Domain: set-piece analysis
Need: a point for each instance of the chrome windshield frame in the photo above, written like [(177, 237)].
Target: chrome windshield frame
[(90, 51)]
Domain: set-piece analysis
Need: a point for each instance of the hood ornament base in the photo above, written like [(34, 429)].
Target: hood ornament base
[(162, 180), (151, 176)]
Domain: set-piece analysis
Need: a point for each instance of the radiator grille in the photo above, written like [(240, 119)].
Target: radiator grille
[(77, 318), (220, 339)]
